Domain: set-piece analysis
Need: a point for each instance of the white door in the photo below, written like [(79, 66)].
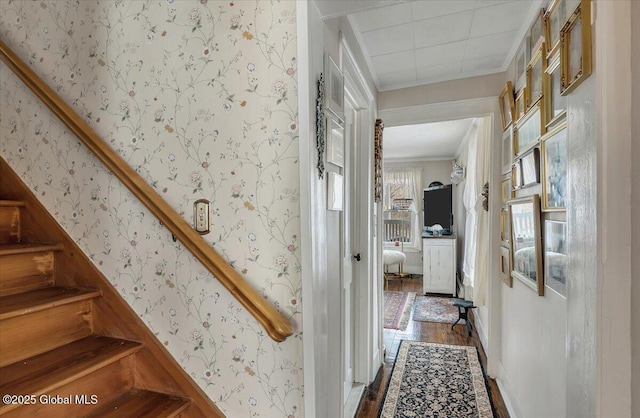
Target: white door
[(348, 306)]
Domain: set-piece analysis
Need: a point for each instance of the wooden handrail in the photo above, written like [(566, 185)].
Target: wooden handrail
[(276, 325)]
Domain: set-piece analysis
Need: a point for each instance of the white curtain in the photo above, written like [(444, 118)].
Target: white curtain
[(411, 179), (476, 249)]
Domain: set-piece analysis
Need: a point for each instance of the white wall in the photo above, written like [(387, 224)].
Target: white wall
[(635, 211)]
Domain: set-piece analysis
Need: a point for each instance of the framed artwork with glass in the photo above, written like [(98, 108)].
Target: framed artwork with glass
[(554, 19), (575, 48), (507, 105), (555, 256), (555, 104), (526, 250), (535, 70), (554, 170)]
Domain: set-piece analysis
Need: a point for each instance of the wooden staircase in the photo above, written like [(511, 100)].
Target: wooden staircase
[(69, 345)]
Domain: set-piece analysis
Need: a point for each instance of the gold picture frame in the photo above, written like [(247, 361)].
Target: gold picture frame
[(507, 105), (505, 227), (529, 129), (535, 71), (506, 190), (575, 48), (521, 104), (536, 33), (507, 152), (554, 19), (554, 169), (505, 266), (555, 104), (526, 248)]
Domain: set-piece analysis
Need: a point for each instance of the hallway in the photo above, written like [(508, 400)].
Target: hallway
[(421, 331)]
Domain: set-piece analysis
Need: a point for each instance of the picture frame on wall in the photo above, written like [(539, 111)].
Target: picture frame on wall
[(555, 104), (529, 130), (507, 105), (521, 61), (535, 71), (334, 83), (505, 227), (554, 19), (526, 250), (536, 33), (335, 191), (505, 266), (506, 190), (575, 48), (530, 166), (507, 152), (335, 142), (555, 256), (554, 170), (516, 176), (521, 104)]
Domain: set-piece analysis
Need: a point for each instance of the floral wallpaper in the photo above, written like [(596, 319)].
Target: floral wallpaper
[(200, 97)]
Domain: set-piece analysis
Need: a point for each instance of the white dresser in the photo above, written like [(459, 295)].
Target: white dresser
[(439, 264)]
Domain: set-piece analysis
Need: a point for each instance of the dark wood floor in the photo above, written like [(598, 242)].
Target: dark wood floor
[(421, 331)]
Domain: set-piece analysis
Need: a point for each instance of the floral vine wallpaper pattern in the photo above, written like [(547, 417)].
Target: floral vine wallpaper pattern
[(200, 97)]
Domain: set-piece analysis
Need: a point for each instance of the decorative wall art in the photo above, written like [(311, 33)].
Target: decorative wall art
[(530, 166), (555, 105), (334, 94), (506, 190), (507, 105), (320, 124), (536, 33), (521, 103), (521, 62), (526, 252), (516, 175), (554, 20), (507, 152), (335, 142), (555, 256), (335, 191), (535, 70), (505, 266), (529, 130), (575, 48), (377, 161), (505, 226), (554, 169)]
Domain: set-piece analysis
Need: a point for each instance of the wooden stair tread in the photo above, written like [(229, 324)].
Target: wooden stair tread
[(41, 299), (139, 403), (10, 249), (12, 203), (45, 372)]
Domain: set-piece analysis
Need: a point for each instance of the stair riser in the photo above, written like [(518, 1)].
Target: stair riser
[(107, 384), (28, 335), (24, 272), (9, 225)]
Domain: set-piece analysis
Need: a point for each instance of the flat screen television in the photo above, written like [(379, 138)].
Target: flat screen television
[(438, 208)]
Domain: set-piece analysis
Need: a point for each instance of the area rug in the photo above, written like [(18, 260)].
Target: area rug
[(397, 309), (435, 309), (436, 380)]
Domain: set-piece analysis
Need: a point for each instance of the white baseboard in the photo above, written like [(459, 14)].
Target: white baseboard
[(504, 386), (482, 332)]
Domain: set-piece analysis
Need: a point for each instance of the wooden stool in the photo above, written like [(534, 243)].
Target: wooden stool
[(463, 310)]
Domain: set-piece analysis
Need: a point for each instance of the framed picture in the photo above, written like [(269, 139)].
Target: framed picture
[(535, 70), (335, 142), (506, 190), (335, 88), (555, 105), (521, 104), (335, 191), (505, 226), (554, 20), (522, 60), (526, 252), (555, 256), (528, 130), (507, 105), (516, 176), (536, 33), (575, 48), (507, 153), (530, 166), (554, 169), (505, 266)]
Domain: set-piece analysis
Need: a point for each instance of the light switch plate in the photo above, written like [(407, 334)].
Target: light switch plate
[(201, 217)]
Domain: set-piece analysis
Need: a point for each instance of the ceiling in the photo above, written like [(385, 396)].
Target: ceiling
[(413, 42), (427, 141)]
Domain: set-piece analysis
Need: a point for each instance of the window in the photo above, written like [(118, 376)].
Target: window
[(401, 208)]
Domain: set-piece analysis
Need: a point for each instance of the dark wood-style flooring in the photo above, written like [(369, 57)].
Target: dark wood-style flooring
[(421, 331)]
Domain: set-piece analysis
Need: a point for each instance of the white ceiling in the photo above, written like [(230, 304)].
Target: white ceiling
[(427, 141), (414, 42)]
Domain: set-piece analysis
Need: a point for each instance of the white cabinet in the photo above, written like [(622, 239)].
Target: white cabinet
[(439, 265)]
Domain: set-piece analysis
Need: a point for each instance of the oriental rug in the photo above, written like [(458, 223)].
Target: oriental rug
[(397, 309), (435, 309), (436, 380)]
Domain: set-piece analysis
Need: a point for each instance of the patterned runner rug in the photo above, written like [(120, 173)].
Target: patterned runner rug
[(436, 380), (397, 309), (435, 309)]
